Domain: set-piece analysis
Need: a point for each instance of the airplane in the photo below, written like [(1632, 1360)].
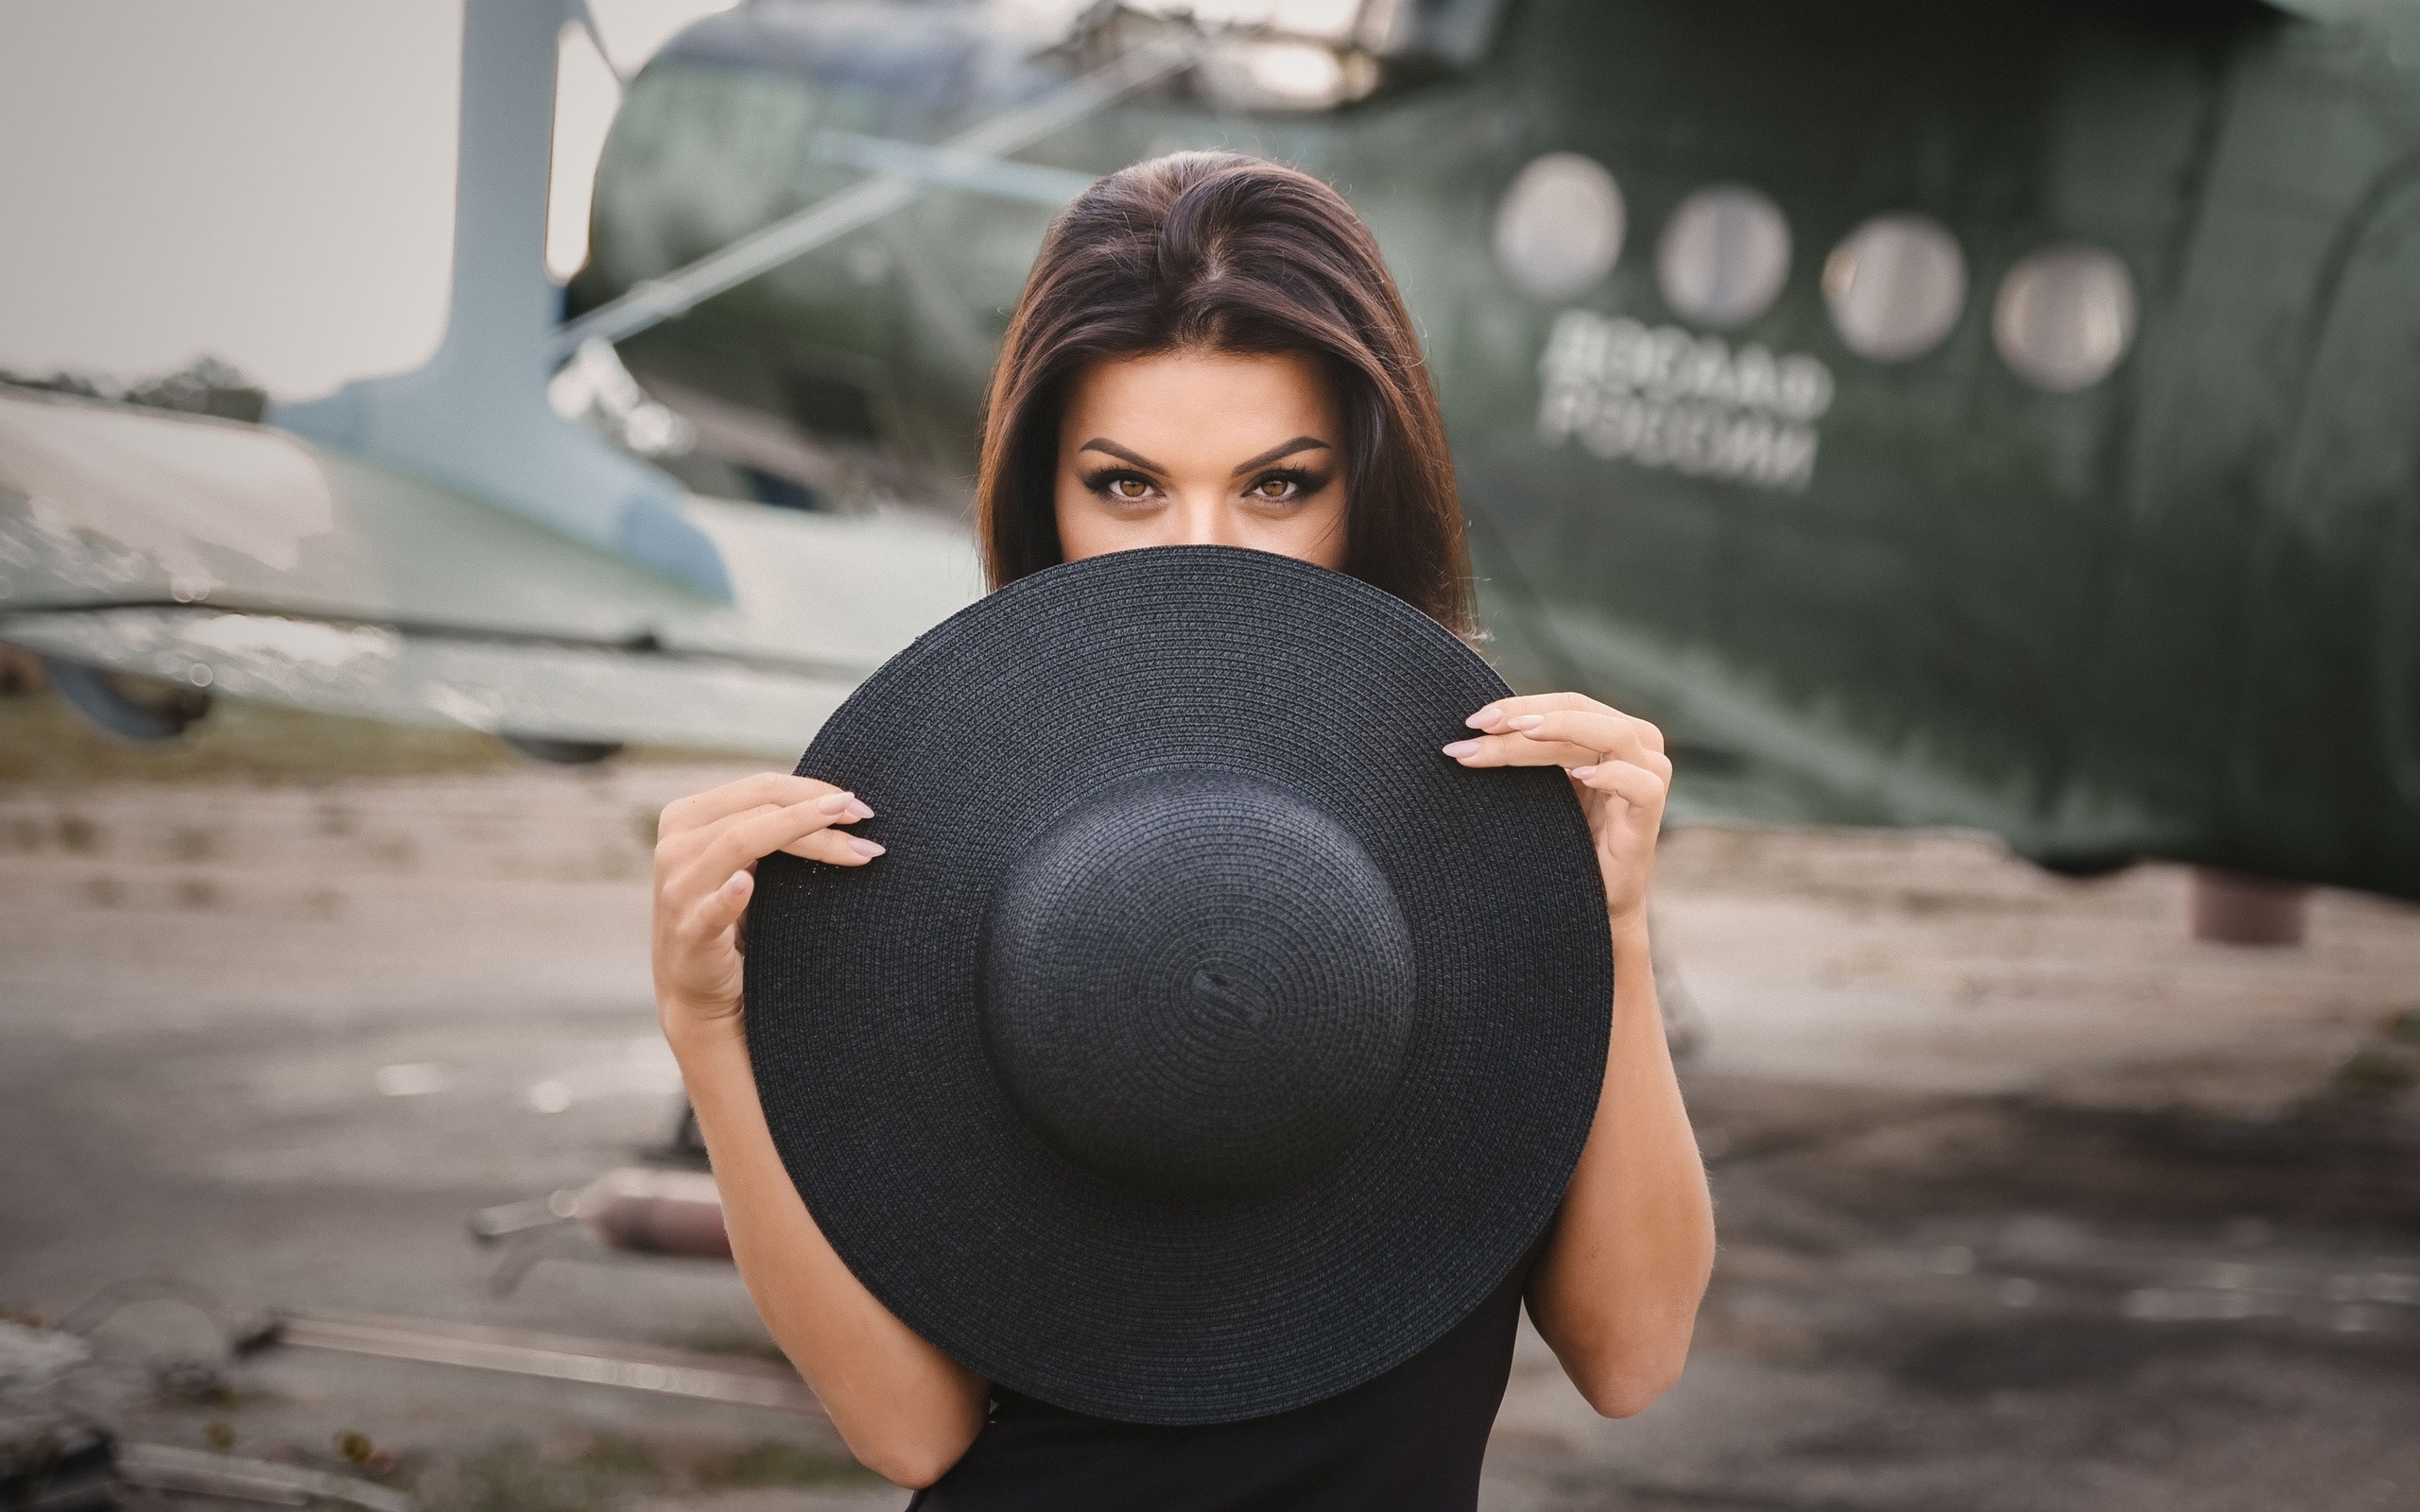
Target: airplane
[(441, 546), (1997, 415), (1989, 415)]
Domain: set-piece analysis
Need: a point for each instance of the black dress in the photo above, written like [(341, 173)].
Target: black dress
[(1409, 1441)]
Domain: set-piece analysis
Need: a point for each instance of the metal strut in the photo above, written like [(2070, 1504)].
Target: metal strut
[(654, 300)]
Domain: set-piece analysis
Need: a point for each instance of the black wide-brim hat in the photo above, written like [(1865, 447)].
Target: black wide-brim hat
[(1207, 1042)]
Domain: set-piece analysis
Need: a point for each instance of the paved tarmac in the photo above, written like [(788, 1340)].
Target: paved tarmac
[(2027, 1201)]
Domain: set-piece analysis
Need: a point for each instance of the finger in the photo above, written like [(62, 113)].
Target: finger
[(836, 848), (1619, 734), (1569, 719), (829, 845), (826, 845), (719, 910), (742, 840), (674, 853), (1634, 785), (1653, 761), (1518, 751), (1493, 715), (763, 790)]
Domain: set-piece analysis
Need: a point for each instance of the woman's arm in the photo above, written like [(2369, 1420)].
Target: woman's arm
[(905, 1410), (1616, 1293)]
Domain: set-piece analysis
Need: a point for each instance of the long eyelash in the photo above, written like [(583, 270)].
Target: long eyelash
[(1098, 482), (1306, 481)]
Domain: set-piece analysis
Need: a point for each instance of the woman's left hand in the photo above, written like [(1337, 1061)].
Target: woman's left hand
[(1617, 765)]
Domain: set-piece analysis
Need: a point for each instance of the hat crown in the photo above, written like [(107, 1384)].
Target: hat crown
[(1197, 984), (1230, 999)]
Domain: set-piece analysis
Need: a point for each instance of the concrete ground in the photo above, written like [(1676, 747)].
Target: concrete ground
[(2027, 1201)]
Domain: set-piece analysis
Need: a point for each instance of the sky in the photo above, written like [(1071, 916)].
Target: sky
[(267, 182)]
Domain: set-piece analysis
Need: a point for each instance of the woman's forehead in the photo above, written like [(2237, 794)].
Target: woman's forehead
[(1199, 402)]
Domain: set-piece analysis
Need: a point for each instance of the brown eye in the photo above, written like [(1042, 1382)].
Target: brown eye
[(1130, 488), (1275, 489)]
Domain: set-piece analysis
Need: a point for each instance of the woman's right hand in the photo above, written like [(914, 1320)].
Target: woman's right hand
[(706, 849)]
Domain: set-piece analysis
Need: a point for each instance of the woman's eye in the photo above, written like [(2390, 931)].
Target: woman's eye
[(1131, 488), (1275, 489)]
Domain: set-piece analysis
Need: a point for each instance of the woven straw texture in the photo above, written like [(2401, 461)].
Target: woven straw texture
[(1207, 1043)]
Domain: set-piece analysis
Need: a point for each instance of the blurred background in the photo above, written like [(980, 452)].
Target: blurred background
[(434, 435)]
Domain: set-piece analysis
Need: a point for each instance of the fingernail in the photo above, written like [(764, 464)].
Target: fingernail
[(1529, 721), (869, 849), (735, 882), (833, 802), (1463, 748), (1584, 773), (1486, 718), (858, 809)]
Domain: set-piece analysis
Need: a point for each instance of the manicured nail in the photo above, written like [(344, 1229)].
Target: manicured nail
[(1463, 748), (869, 849), (833, 802), (1584, 773), (1487, 718), (858, 809), (1529, 721), (735, 882)]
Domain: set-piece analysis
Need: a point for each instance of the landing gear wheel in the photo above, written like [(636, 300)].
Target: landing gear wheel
[(128, 707), (563, 752)]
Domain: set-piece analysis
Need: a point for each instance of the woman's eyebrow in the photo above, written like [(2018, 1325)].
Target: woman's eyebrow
[(1299, 443), (1102, 443)]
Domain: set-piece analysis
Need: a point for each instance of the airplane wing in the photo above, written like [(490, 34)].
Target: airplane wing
[(244, 560)]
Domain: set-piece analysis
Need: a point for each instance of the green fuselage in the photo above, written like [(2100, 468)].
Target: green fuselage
[(2172, 612)]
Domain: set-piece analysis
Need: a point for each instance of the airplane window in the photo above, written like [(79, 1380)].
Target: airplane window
[(1724, 256), (1895, 287), (2065, 317), (1559, 228)]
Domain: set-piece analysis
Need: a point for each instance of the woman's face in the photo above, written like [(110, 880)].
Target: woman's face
[(1202, 448)]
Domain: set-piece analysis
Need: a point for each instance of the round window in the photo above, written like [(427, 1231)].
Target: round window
[(1560, 226), (2065, 317), (1895, 287), (1724, 256)]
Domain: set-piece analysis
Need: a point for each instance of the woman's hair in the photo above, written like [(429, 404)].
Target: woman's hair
[(1220, 252)]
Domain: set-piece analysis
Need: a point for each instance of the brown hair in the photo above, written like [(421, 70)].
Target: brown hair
[(1229, 253)]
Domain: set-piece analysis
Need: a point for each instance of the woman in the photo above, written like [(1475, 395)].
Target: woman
[(1210, 351)]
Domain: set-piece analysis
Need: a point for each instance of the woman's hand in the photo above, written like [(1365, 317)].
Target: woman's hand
[(706, 849), (1616, 762)]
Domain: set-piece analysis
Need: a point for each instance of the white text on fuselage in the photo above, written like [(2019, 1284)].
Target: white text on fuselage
[(1671, 399)]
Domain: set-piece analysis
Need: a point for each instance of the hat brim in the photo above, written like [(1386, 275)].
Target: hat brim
[(863, 989)]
